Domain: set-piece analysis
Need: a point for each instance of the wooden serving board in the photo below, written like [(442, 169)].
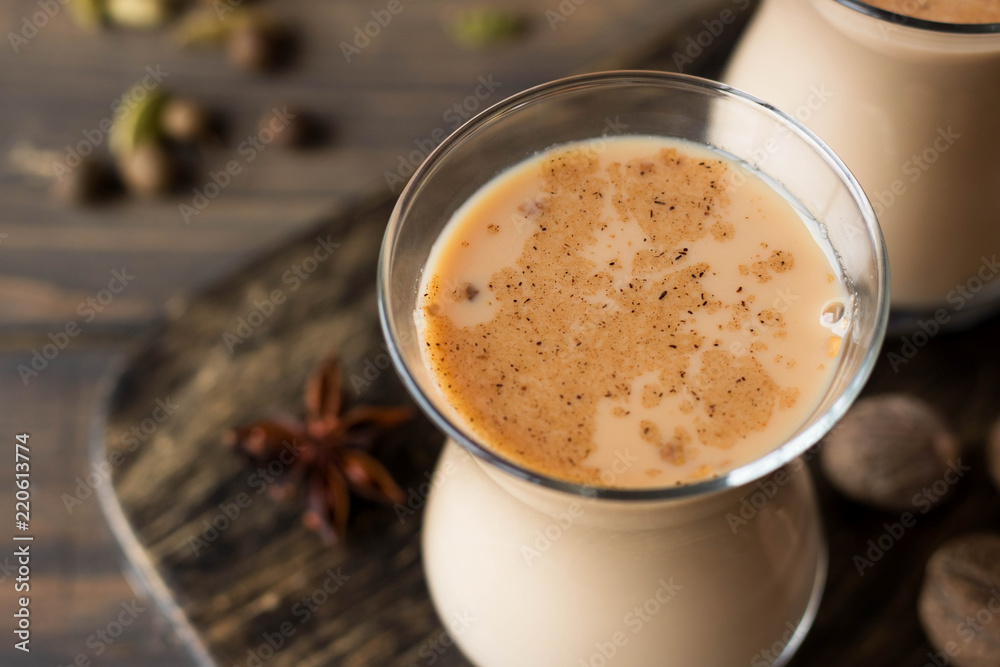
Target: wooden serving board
[(231, 585), (246, 584)]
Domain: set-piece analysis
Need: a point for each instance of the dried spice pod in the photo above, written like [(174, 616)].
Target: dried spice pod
[(204, 27), (993, 453), (253, 39), (286, 126), (479, 27), (140, 13), (959, 605), (149, 170), (88, 13), (325, 452), (893, 452), (89, 182), (185, 120), (210, 27), (259, 45), (137, 124)]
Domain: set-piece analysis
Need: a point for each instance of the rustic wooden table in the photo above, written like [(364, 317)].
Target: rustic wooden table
[(59, 84)]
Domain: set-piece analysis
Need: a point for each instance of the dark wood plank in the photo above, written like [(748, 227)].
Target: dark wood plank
[(246, 581), (77, 587), (869, 617)]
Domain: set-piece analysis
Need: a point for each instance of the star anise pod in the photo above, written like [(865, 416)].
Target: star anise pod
[(325, 452)]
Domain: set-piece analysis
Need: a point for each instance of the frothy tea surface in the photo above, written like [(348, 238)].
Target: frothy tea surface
[(944, 11), (630, 312)]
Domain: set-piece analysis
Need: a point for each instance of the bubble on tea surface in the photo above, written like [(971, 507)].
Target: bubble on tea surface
[(833, 312)]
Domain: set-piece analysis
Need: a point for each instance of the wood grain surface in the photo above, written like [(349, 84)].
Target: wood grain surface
[(77, 587), (397, 92)]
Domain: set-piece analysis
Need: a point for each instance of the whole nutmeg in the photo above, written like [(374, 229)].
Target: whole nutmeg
[(993, 454), (893, 452), (185, 120), (959, 604), (149, 170)]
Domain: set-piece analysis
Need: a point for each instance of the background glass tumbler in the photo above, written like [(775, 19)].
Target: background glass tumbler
[(911, 106)]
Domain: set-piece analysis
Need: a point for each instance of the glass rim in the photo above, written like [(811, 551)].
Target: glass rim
[(748, 473), (921, 24)]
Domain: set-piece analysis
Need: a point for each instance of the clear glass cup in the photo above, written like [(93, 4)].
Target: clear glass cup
[(911, 106), (530, 570)]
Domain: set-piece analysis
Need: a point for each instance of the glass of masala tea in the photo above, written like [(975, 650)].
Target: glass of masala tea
[(906, 92), (631, 301)]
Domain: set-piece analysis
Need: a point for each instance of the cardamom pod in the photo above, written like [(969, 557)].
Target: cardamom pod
[(484, 26), (207, 27), (88, 13), (140, 13), (138, 124)]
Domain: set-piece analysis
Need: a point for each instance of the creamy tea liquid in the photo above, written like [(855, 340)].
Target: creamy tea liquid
[(944, 11), (637, 300)]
